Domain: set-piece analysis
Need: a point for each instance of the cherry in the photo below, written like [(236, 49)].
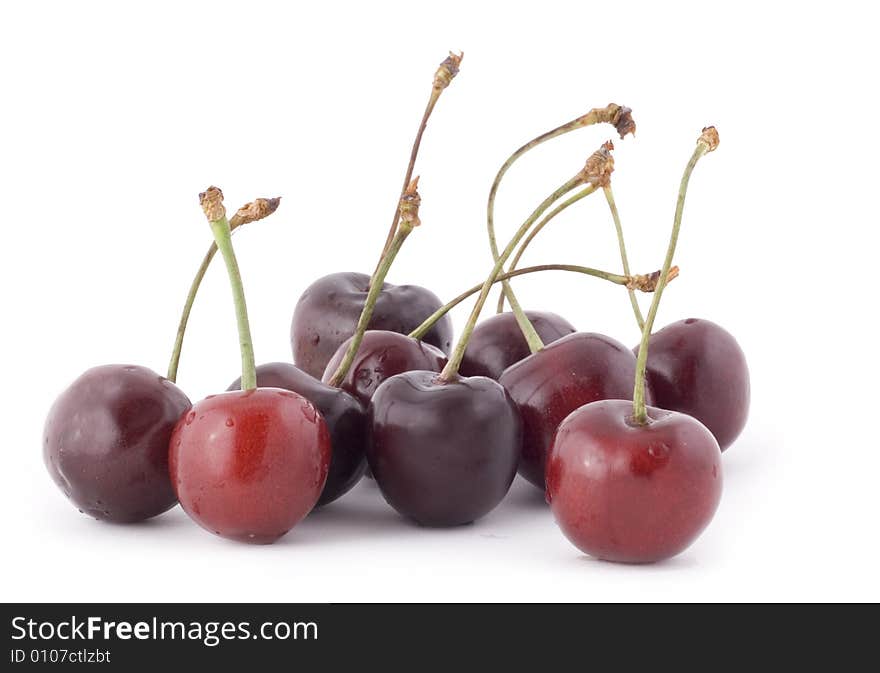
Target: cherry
[(381, 355), (633, 483), (498, 341), (697, 367), (248, 465), (548, 385), (106, 442), (326, 315), (345, 417), (444, 453), (632, 493)]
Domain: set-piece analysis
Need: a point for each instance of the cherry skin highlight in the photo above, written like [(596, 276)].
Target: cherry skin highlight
[(106, 442), (346, 420), (632, 493), (249, 465), (697, 367), (548, 385), (327, 314), (443, 453), (381, 355), (497, 343)]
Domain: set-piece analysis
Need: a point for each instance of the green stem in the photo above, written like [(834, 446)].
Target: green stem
[(223, 238), (640, 411), (609, 197), (187, 309), (420, 331), (534, 232), (174, 363), (414, 153), (450, 371), (403, 231), (533, 339)]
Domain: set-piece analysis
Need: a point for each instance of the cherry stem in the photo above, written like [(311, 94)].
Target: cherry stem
[(707, 142), (612, 113), (450, 371), (420, 331), (187, 309), (609, 197), (212, 203), (446, 72), (533, 339), (408, 207), (251, 212), (538, 227)]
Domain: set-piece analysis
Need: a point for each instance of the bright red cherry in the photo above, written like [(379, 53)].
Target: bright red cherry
[(106, 442), (548, 385), (346, 420), (629, 482), (498, 342), (697, 367), (632, 493), (380, 356), (249, 465)]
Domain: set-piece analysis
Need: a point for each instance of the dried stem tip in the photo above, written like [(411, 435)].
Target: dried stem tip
[(710, 138), (648, 282), (447, 70), (624, 122), (618, 116), (253, 211), (409, 205), (212, 203), (599, 166)]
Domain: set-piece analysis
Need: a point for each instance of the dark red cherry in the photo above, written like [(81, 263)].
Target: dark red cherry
[(381, 355), (106, 442), (548, 385), (249, 465), (328, 311), (697, 367), (498, 342), (632, 493), (346, 420), (443, 453)]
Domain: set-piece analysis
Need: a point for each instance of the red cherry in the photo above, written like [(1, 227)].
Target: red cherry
[(249, 465), (697, 367), (632, 493), (381, 355), (498, 342), (548, 385), (346, 420)]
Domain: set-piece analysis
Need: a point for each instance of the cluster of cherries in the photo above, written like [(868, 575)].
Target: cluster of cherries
[(378, 386)]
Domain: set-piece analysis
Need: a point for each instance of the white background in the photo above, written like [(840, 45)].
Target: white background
[(114, 117)]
